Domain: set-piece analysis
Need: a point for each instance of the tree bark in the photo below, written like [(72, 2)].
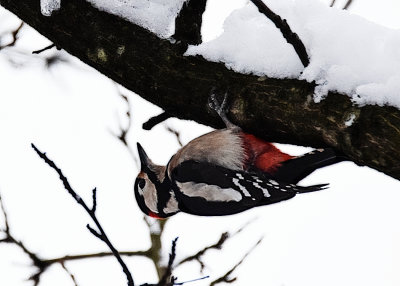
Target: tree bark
[(276, 110)]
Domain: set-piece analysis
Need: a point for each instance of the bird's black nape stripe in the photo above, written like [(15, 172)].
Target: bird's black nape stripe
[(163, 189)]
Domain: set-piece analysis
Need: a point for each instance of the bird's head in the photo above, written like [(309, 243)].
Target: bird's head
[(152, 191)]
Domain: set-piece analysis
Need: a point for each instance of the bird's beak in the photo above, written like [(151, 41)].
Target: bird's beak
[(144, 159)]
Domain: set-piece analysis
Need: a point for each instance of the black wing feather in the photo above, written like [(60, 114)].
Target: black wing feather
[(255, 189)]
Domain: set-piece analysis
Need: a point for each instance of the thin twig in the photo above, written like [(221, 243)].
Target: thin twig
[(44, 49), (168, 271), (14, 35), (349, 2), (291, 37), (332, 3), (69, 273), (94, 199), (7, 229), (225, 278), (149, 124), (197, 257), (39, 263), (123, 133), (218, 245), (176, 133), (101, 234)]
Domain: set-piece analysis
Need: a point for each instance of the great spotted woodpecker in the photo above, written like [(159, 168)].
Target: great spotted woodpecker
[(224, 172)]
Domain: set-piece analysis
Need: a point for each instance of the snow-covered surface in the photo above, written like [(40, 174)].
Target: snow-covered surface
[(47, 7), (244, 48), (349, 54), (157, 16)]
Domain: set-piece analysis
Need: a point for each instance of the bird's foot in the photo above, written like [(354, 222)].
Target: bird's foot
[(220, 108)]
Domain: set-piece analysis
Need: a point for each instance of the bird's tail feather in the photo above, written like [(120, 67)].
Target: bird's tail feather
[(309, 189), (294, 170)]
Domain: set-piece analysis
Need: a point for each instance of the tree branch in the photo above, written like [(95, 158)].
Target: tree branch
[(275, 110), (100, 233)]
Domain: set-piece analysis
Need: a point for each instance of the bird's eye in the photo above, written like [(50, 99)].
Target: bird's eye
[(141, 183)]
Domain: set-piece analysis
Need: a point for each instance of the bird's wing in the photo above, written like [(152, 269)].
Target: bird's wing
[(206, 189)]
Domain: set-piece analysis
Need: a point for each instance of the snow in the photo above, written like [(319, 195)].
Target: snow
[(158, 16), (350, 121), (242, 48), (47, 7), (348, 53)]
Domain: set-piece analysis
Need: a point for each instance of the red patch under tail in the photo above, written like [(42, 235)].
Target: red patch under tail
[(262, 154)]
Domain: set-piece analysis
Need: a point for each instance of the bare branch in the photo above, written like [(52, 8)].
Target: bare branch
[(149, 124), (176, 133), (168, 271), (198, 256), (44, 49), (291, 37), (218, 245), (225, 278), (94, 205), (332, 3), (124, 131), (7, 229), (94, 232), (122, 136), (94, 255), (14, 35), (69, 273), (40, 264), (100, 234), (349, 2)]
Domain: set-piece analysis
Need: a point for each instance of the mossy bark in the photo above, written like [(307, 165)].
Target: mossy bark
[(276, 110)]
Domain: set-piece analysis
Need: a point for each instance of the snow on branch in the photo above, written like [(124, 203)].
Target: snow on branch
[(290, 36)]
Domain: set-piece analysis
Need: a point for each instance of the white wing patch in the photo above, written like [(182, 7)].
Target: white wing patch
[(209, 192), (243, 189), (264, 190)]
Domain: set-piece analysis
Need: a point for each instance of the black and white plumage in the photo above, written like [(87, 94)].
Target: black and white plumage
[(224, 172)]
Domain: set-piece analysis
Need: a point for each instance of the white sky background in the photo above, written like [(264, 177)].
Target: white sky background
[(347, 235)]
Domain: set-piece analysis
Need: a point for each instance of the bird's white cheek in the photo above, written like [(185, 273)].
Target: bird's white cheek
[(150, 198)]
